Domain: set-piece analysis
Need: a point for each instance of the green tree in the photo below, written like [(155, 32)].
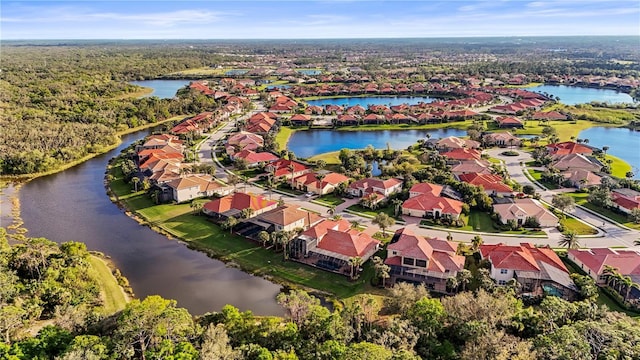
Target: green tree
[(570, 240), (216, 344), (135, 180), (264, 237), (229, 223), (403, 295), (354, 264), (298, 303), (383, 221), (464, 278), (563, 202)]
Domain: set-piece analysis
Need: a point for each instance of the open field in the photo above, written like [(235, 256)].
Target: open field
[(112, 294)]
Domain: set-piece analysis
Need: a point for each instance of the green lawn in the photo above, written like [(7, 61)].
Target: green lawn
[(619, 167), (579, 227), (479, 221), (331, 158), (330, 199), (389, 210), (537, 175), (178, 220), (112, 294), (282, 138), (581, 199)]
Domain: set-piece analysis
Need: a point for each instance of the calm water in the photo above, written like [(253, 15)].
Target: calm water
[(307, 143), (164, 89), (572, 95), (373, 100), (623, 143), (309, 72), (72, 205)]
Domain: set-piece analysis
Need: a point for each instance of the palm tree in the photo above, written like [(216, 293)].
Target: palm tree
[(397, 203), (383, 221), (464, 278), (628, 284), (264, 237), (569, 239), (355, 262), (136, 181), (230, 223), (604, 150), (332, 210), (453, 284), (246, 213), (609, 271), (292, 169), (234, 180), (476, 242), (355, 224)]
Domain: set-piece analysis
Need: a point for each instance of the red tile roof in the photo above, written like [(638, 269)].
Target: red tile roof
[(627, 261), (463, 154), (487, 181), (440, 254), (350, 243), (568, 147), (429, 202), (426, 188), (524, 257), (239, 201)]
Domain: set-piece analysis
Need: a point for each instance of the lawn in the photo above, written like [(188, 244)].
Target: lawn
[(282, 138), (577, 226), (619, 167), (389, 210), (330, 199), (565, 129), (113, 296), (331, 158), (478, 221), (581, 199), (537, 176)]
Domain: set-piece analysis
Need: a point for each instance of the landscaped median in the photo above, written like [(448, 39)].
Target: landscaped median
[(180, 221)]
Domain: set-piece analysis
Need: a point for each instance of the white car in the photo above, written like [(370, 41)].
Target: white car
[(309, 194)]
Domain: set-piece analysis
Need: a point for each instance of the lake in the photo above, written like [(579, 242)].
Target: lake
[(164, 89), (310, 72), (372, 100), (622, 142), (572, 95), (73, 205), (306, 143)]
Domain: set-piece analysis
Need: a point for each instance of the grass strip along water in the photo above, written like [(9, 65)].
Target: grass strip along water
[(182, 222)]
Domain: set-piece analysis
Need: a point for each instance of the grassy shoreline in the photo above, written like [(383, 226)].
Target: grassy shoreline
[(178, 221)]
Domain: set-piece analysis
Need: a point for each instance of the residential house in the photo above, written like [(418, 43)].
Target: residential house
[(572, 162), (491, 183), (193, 186), (595, 261), (300, 120), (287, 169), (521, 209), (568, 147), (330, 245), (243, 141), (462, 154), (473, 166), (255, 158), (501, 139), (233, 204), (548, 115), (425, 201), (509, 122), (320, 185), (581, 178), (452, 142), (286, 218), (363, 187), (626, 200), (431, 261), (538, 270)]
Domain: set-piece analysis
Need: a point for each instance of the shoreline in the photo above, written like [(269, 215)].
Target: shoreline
[(119, 134)]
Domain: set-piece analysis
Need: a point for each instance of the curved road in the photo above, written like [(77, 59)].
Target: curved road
[(609, 234)]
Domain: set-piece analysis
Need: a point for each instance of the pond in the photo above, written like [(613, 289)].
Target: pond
[(310, 72), (572, 95), (73, 205), (372, 100), (622, 142), (164, 89), (306, 143)]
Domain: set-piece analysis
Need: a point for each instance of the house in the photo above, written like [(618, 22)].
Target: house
[(169, 143), (286, 218), (286, 169), (501, 139), (261, 123), (538, 270), (576, 162), (491, 183), (521, 209), (300, 120), (509, 122), (548, 115), (581, 178), (626, 200), (243, 140), (430, 261), (331, 243), (232, 205), (462, 154), (254, 159), (595, 261), (452, 142), (425, 201), (193, 186), (320, 185), (568, 147), (367, 186), (473, 166)]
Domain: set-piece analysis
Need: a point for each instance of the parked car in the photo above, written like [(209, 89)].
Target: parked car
[(309, 194)]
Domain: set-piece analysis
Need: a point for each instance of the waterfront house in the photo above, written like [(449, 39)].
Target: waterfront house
[(501, 139), (255, 158), (319, 184), (572, 162), (568, 147), (509, 122), (491, 183), (519, 210), (287, 169), (330, 245), (300, 120), (414, 258), (538, 270), (189, 187), (626, 200), (233, 204), (367, 186)]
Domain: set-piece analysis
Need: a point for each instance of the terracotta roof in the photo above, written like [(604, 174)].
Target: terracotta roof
[(440, 254), (522, 207), (238, 201), (524, 257), (568, 147), (472, 166), (463, 154), (254, 157), (428, 202), (507, 120), (424, 188), (487, 181), (320, 229), (348, 243), (373, 182), (289, 214), (627, 261)]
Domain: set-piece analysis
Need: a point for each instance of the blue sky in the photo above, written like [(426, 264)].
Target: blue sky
[(241, 19)]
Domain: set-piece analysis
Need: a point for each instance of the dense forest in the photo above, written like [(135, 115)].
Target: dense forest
[(62, 103), (50, 308)]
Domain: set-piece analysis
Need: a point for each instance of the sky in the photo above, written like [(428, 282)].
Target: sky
[(239, 19)]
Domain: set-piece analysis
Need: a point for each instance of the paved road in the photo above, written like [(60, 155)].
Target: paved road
[(609, 234)]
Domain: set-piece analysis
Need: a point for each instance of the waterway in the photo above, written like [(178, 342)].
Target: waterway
[(73, 205), (306, 143), (164, 89), (372, 100), (622, 142), (572, 95)]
